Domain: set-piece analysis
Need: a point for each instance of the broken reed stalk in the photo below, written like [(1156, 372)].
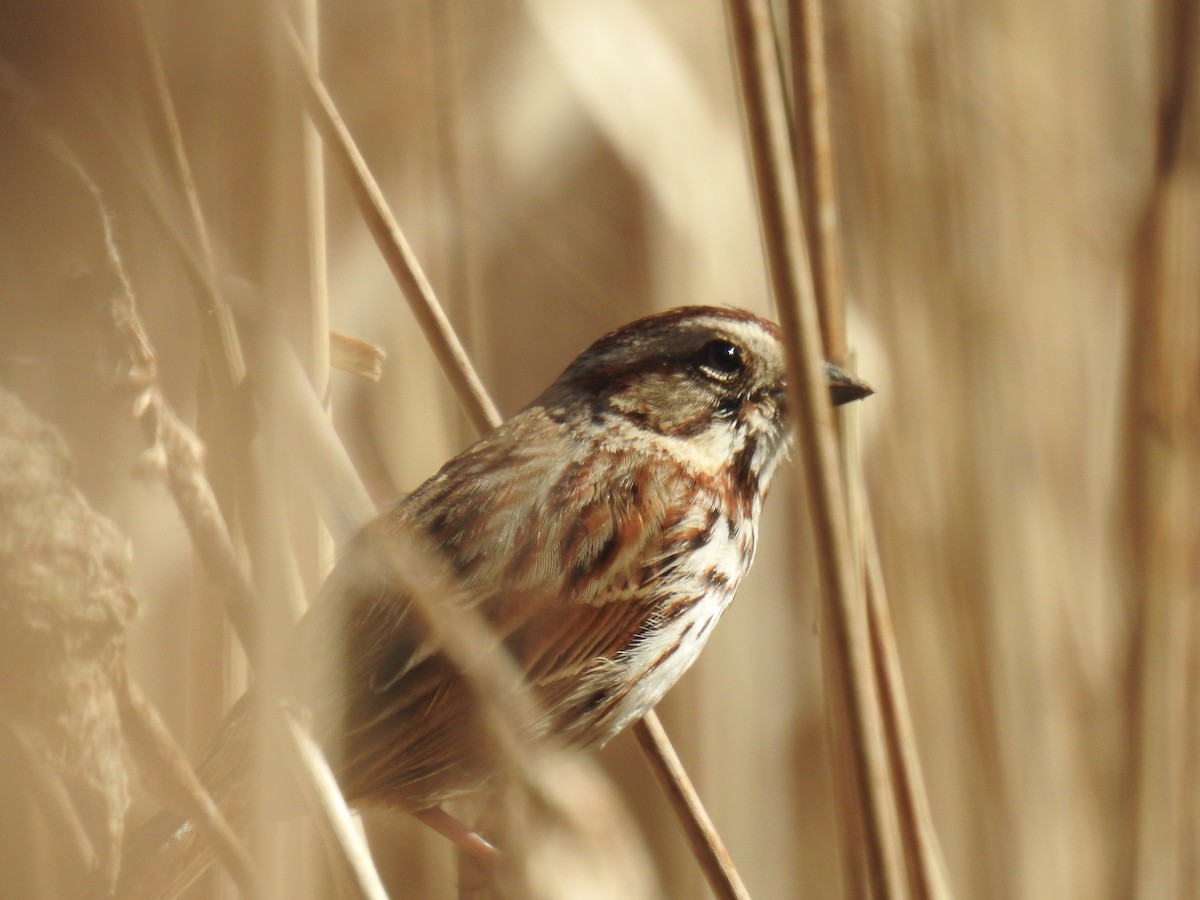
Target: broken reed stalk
[(791, 282), (1160, 442), (457, 366)]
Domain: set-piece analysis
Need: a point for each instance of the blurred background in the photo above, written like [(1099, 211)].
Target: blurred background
[(1020, 215)]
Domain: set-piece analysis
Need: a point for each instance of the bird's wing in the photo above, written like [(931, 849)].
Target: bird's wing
[(554, 552)]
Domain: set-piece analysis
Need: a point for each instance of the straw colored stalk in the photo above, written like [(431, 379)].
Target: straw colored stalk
[(816, 168), (791, 282), (1162, 458)]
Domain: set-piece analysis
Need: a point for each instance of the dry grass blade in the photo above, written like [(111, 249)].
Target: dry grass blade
[(791, 282), (702, 835), (174, 448), (55, 802), (810, 101), (925, 866), (176, 451), (321, 460)]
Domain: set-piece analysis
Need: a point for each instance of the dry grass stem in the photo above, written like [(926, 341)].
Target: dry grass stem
[(1162, 455), (319, 458), (55, 802), (703, 838), (391, 241), (1018, 209), (791, 281), (174, 453), (714, 859), (810, 105), (924, 864)]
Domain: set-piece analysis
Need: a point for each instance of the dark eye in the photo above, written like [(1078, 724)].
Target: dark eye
[(720, 359)]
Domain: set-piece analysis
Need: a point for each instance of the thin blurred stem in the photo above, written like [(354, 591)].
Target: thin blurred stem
[(173, 445), (227, 357), (817, 185), (791, 282), (318, 355)]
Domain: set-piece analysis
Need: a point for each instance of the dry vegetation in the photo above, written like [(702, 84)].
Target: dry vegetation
[(1018, 207)]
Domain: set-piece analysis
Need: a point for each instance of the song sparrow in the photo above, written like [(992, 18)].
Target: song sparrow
[(601, 532)]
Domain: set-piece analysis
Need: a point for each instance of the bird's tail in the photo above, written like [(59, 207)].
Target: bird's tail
[(168, 853)]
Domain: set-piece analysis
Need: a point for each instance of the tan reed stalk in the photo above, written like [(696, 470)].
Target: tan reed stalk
[(810, 104), (1161, 450), (791, 282), (810, 113), (719, 870), (924, 864), (174, 448), (317, 355), (471, 394), (818, 204)]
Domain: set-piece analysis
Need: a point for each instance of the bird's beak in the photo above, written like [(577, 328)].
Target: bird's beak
[(845, 388)]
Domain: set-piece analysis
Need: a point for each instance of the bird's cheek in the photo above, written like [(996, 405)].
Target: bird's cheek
[(766, 415)]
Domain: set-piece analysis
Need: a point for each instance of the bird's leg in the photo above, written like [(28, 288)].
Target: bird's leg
[(471, 842)]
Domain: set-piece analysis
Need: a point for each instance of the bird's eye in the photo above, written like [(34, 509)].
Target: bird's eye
[(720, 359)]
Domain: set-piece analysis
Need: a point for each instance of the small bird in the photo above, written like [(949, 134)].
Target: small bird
[(600, 533)]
